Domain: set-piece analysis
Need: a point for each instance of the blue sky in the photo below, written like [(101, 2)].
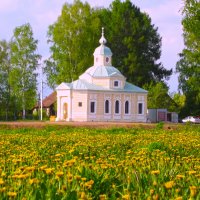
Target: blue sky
[(165, 14)]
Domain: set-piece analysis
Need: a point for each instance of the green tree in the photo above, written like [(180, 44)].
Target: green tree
[(179, 99), (135, 43), (188, 66), (24, 60), (5, 89), (73, 38), (158, 97)]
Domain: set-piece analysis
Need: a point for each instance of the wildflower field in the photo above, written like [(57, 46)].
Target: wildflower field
[(84, 163)]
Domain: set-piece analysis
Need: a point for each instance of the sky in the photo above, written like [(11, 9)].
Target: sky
[(165, 14)]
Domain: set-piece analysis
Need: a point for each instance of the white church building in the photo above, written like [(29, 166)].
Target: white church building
[(101, 94)]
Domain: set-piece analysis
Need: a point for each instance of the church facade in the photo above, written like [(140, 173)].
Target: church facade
[(101, 94)]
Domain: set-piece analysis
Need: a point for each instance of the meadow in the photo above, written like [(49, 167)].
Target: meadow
[(70, 163)]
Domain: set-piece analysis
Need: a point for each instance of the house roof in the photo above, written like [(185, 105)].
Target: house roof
[(48, 101)]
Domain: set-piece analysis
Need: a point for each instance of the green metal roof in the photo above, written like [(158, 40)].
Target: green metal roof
[(83, 85), (103, 50), (103, 71)]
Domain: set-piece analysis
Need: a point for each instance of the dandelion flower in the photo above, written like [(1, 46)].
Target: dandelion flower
[(169, 184), (179, 198), (155, 172), (193, 191), (192, 172), (126, 197), (12, 194), (102, 197), (59, 174), (1, 181), (179, 176)]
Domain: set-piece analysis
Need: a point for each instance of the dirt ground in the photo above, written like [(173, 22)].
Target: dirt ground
[(38, 124)]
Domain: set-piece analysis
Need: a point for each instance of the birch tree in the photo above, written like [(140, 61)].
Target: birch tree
[(24, 59)]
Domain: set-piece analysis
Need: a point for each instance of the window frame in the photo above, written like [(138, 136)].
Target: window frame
[(107, 60), (109, 107), (127, 113), (119, 108), (93, 101), (118, 83), (142, 111)]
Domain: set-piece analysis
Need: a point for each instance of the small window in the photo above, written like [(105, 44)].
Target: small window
[(106, 106), (140, 108), (126, 107), (107, 59), (79, 104), (92, 107), (117, 107), (116, 83), (96, 59)]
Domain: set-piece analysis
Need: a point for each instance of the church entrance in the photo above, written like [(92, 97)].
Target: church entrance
[(65, 111)]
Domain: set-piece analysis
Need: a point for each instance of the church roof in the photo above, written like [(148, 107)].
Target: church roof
[(83, 85), (101, 71), (102, 49)]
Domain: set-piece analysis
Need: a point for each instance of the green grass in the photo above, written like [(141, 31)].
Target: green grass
[(57, 162)]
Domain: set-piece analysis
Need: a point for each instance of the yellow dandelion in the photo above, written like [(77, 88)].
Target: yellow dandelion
[(154, 183), (83, 195), (3, 189), (34, 180), (126, 197), (30, 169), (12, 194), (43, 167), (155, 172), (169, 184), (83, 179), (78, 178), (58, 155), (69, 176), (102, 197), (89, 184), (151, 191), (179, 176), (1, 181), (192, 172), (49, 170), (179, 198), (59, 174), (155, 197), (177, 190), (193, 191)]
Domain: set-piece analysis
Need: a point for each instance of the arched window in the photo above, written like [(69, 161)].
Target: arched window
[(106, 106), (127, 107), (117, 107)]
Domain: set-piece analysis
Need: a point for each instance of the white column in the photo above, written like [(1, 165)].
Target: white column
[(58, 108), (70, 105)]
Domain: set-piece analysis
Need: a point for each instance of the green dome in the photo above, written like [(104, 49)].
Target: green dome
[(103, 71)]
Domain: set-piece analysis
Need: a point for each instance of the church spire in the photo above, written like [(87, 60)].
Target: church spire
[(103, 40)]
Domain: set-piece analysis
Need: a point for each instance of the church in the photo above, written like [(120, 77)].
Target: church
[(101, 94)]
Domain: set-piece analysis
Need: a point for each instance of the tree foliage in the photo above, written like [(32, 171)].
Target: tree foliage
[(135, 43), (188, 66), (132, 37), (5, 89), (158, 97), (72, 38), (18, 63)]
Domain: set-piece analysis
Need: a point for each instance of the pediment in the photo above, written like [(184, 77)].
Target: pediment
[(64, 86)]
